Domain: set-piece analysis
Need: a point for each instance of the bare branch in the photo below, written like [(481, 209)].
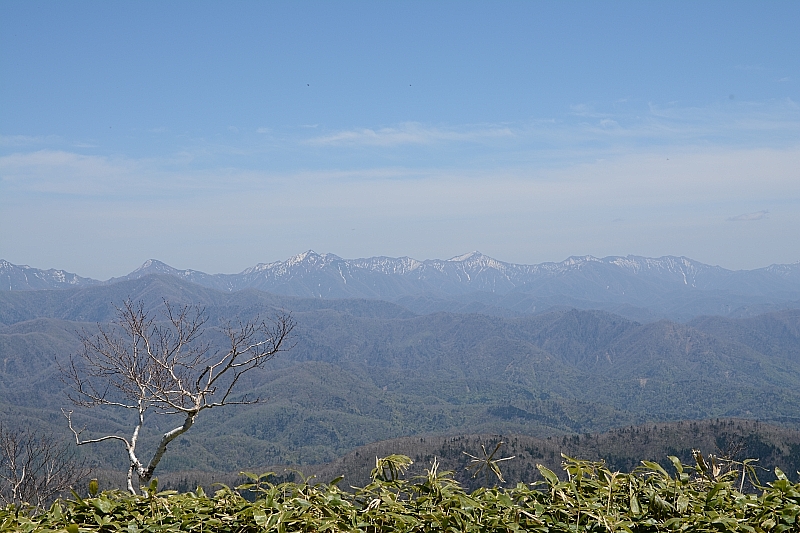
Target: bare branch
[(35, 467), (165, 366), (77, 434)]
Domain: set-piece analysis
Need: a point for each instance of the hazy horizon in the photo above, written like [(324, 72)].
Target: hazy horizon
[(218, 136)]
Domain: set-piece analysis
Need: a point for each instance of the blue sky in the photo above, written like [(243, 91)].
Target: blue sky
[(215, 135)]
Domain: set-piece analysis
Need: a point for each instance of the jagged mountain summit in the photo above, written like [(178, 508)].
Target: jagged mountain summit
[(302, 274), (677, 287), (23, 277)]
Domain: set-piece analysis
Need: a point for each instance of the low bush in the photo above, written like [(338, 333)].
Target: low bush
[(708, 496)]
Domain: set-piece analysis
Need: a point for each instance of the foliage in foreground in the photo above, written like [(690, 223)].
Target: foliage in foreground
[(591, 498)]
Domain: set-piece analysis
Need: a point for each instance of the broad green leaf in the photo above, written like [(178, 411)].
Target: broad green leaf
[(548, 474)]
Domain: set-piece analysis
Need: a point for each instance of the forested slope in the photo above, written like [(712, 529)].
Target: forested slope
[(366, 370)]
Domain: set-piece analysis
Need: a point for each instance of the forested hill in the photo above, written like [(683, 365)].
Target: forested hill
[(621, 450), (366, 370)]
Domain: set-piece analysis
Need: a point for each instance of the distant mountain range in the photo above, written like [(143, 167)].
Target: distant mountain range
[(395, 347), (642, 288)]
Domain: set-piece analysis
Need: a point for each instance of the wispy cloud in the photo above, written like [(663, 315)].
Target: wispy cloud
[(62, 172), (411, 133), (586, 132), (16, 141), (749, 217), (585, 110), (741, 123)]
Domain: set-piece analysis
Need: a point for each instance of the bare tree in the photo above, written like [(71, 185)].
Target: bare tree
[(35, 467), (142, 364)]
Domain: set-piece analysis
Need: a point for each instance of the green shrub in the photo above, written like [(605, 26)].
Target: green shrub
[(588, 497)]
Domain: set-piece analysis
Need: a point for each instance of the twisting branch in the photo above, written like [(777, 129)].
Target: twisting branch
[(143, 364)]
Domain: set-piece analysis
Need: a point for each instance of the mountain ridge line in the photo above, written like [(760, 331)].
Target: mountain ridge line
[(383, 264)]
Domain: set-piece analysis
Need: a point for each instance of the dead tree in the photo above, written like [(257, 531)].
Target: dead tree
[(35, 467), (165, 366)]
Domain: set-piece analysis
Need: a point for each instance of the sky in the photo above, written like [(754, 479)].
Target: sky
[(217, 135)]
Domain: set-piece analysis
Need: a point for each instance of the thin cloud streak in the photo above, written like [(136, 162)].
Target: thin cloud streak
[(62, 172), (690, 173), (410, 133), (743, 123), (28, 140), (749, 217)]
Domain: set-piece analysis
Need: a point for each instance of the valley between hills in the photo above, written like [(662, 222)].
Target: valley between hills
[(435, 372)]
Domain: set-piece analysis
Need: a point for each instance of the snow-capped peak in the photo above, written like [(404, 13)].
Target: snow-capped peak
[(466, 257), (154, 265)]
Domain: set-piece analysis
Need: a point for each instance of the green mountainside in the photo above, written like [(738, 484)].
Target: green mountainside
[(366, 370)]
